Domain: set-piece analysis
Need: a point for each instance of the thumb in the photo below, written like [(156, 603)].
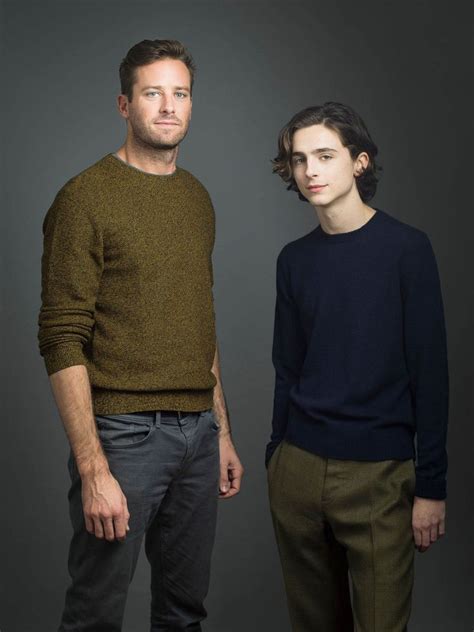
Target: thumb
[(224, 484)]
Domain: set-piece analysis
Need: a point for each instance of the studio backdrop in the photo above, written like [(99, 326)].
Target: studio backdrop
[(405, 67)]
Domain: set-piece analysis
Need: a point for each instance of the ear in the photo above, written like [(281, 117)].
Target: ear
[(361, 163), (122, 105)]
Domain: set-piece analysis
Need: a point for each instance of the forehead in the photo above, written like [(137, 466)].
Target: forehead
[(171, 72), (310, 138)]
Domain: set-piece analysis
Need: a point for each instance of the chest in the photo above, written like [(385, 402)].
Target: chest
[(153, 234), (346, 283)]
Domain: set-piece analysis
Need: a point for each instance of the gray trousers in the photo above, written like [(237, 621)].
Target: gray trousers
[(168, 468)]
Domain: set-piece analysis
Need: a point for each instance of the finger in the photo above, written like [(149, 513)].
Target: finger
[(89, 524), (417, 536), (120, 527), (108, 526), (229, 494), (236, 480), (126, 514), (425, 538), (442, 528), (224, 484), (434, 533), (98, 530)]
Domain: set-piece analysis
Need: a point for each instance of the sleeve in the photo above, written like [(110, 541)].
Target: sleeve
[(71, 268), (287, 354), (426, 358), (212, 234)]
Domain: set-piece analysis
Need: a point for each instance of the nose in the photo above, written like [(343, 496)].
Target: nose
[(311, 168), (167, 104)]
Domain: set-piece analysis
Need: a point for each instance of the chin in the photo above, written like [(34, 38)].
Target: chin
[(319, 200)]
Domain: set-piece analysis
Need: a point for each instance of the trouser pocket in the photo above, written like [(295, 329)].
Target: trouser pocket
[(123, 431)]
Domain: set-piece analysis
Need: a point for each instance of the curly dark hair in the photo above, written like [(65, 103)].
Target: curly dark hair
[(148, 51), (352, 132)]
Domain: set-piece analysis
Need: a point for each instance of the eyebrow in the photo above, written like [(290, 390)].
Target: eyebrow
[(321, 150), (161, 87)]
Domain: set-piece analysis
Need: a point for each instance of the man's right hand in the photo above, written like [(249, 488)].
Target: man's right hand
[(105, 507)]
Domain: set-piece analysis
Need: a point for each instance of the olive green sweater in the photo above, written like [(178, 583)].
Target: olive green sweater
[(127, 287)]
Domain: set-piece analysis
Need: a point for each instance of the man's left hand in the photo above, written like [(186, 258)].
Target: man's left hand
[(231, 468), (428, 521)]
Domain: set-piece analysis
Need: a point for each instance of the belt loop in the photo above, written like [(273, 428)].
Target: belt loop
[(158, 418), (179, 415)]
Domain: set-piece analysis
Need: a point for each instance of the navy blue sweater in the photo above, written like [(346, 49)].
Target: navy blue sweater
[(360, 349)]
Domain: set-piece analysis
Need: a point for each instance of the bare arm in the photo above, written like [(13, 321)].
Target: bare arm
[(231, 467), (105, 506)]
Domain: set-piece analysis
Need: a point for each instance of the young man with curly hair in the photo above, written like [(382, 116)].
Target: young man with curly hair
[(361, 370)]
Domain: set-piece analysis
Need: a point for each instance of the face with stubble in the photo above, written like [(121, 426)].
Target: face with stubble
[(160, 110)]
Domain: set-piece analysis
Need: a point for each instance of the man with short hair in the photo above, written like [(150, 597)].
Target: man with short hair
[(361, 368), (127, 332)]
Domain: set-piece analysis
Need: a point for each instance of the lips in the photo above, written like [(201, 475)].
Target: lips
[(317, 187)]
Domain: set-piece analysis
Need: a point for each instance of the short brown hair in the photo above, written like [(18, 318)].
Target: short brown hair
[(352, 132), (148, 51)]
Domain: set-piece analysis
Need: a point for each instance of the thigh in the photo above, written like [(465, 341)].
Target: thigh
[(313, 562), (371, 516), (180, 537), (100, 570)]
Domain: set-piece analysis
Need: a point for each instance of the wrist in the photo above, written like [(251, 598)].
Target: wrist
[(225, 435), (92, 468)]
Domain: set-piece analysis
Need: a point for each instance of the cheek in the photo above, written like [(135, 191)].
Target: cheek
[(344, 177), (299, 177), (185, 110)]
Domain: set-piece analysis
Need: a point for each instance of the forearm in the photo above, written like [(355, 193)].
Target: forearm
[(219, 403), (72, 393), (427, 364)]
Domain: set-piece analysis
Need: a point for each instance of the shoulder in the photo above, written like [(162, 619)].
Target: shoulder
[(86, 184), (407, 237), (194, 185), (77, 200), (297, 248), (415, 254)]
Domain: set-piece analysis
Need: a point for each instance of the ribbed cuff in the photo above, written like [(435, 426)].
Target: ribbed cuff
[(62, 356), (429, 488)]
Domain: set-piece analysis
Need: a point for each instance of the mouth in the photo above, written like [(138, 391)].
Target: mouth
[(316, 187), (166, 123)]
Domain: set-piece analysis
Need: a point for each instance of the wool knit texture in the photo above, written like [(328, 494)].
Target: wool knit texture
[(360, 349), (127, 287)]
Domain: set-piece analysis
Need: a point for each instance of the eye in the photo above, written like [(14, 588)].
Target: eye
[(181, 95), (298, 161), (151, 93), (326, 157)]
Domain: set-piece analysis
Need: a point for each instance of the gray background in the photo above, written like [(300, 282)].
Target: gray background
[(405, 67)]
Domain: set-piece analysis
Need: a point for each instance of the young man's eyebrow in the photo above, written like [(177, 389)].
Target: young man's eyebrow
[(321, 150)]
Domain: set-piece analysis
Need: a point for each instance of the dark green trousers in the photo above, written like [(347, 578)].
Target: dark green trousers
[(334, 518)]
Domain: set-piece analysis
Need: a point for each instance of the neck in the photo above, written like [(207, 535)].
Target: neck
[(344, 215), (156, 161)]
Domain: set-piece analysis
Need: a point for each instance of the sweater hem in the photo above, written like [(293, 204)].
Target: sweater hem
[(119, 402), (356, 444)]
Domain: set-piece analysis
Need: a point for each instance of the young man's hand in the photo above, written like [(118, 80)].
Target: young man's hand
[(428, 522), (231, 468)]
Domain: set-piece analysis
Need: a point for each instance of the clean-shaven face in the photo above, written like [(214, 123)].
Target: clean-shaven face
[(160, 110), (323, 168)]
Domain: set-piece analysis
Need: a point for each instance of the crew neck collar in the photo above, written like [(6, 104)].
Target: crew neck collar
[(126, 165), (352, 234)]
